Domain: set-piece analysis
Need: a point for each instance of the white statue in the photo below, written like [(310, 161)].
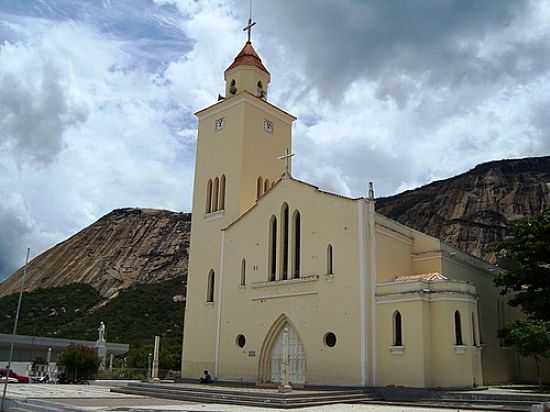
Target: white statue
[(101, 332)]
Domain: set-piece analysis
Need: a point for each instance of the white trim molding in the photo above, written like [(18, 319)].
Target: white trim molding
[(283, 295), (363, 284), (285, 282), (219, 325), (397, 350)]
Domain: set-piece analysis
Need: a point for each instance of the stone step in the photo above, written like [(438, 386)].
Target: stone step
[(296, 394), (481, 395), (245, 399), (409, 394), (478, 405), (247, 391), (245, 395)]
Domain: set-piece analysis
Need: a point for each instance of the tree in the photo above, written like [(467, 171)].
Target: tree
[(527, 253), (80, 362), (530, 338), (527, 257)]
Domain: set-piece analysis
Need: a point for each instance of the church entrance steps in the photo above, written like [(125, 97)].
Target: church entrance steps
[(452, 404), (484, 399), (248, 396)]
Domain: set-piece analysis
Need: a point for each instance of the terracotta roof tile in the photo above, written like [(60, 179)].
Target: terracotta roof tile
[(248, 57)]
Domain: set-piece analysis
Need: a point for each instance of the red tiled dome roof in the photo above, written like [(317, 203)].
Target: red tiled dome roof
[(248, 57)]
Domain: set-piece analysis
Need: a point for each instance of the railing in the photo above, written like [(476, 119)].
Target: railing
[(136, 374)]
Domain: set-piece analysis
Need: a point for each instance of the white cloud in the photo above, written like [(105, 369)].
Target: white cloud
[(96, 129), (119, 132)]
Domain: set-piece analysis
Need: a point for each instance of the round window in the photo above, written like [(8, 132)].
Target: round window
[(241, 341), (330, 339)]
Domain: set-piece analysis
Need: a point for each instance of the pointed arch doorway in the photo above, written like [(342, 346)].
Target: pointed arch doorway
[(271, 356)]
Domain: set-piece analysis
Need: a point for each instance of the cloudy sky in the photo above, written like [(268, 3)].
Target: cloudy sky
[(97, 96)]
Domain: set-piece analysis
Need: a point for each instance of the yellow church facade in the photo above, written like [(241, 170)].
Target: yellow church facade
[(366, 301)]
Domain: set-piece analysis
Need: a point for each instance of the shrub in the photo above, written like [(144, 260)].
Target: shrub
[(79, 362)]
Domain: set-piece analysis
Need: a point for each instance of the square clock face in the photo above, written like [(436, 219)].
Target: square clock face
[(268, 126), (219, 124)]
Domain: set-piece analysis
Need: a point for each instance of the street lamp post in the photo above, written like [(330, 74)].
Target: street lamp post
[(14, 330)]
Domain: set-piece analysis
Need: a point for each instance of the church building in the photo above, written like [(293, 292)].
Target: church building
[(366, 301)]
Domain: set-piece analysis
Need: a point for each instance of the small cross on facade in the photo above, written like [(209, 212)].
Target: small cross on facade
[(287, 156)]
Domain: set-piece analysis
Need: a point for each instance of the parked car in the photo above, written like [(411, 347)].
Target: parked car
[(40, 379), (62, 378), (13, 375)]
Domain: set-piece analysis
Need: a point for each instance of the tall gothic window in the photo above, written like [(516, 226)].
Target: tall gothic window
[(297, 245), (222, 193), (397, 329), (458, 329), (243, 272), (215, 193), (330, 269), (210, 290), (284, 242), (272, 248), (209, 196), (259, 187)]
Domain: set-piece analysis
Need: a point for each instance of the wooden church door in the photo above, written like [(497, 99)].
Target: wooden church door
[(296, 358)]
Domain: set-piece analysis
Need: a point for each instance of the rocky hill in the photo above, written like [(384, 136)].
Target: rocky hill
[(473, 210), (124, 247), (470, 211)]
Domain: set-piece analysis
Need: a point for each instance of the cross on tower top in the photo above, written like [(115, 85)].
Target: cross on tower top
[(250, 24), (248, 28)]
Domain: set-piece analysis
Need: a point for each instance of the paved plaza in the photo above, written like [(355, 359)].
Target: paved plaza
[(99, 398)]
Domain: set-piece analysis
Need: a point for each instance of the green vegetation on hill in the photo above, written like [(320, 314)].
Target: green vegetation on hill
[(44, 311), (135, 316)]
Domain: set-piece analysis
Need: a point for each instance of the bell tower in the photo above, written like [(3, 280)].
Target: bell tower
[(247, 73), (240, 140)]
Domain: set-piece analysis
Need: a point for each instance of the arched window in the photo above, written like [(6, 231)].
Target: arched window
[(233, 87), (215, 193), (243, 272), (260, 90), (259, 187), (266, 185), (272, 248), (210, 290), (458, 329), (209, 196), (397, 329), (297, 246), (330, 269), (284, 242), (222, 193), (474, 340)]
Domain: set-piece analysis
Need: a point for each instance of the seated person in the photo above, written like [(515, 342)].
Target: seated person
[(206, 378)]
